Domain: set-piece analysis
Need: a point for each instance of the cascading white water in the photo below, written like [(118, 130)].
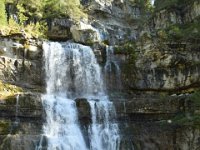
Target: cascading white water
[(103, 133), (61, 129), (71, 72), (111, 67), (16, 110)]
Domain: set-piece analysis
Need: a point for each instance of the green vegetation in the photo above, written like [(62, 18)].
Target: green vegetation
[(8, 90), (37, 30), (128, 49), (146, 9), (189, 118), (63, 8), (4, 127), (184, 32), (160, 4), (2, 13), (176, 32), (145, 5), (171, 4), (44, 9), (182, 119), (196, 98), (32, 16)]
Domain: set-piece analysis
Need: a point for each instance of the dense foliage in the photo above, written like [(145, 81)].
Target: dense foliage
[(32, 15), (42, 9), (57, 8), (2, 13)]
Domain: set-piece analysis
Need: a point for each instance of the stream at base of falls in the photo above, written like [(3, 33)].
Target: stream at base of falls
[(72, 72)]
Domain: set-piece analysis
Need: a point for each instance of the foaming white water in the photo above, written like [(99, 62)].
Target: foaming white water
[(61, 128), (17, 110), (112, 68), (103, 132), (71, 72)]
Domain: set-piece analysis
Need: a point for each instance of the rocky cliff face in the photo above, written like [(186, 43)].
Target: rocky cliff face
[(167, 16), (155, 107), (21, 60), (173, 67), (21, 84)]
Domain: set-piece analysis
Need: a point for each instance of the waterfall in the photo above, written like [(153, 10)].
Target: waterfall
[(112, 70), (61, 129), (17, 110), (103, 133), (73, 72)]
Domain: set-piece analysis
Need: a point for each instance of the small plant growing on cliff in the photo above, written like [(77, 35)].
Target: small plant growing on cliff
[(128, 49), (162, 34), (188, 31), (196, 98), (175, 32)]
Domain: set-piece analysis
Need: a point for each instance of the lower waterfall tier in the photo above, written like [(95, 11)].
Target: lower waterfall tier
[(140, 126)]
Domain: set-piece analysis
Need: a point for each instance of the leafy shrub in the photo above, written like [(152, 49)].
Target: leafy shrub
[(184, 32), (21, 12), (196, 98), (37, 30), (175, 33)]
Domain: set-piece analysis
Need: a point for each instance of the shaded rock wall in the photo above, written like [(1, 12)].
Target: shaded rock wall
[(175, 15)]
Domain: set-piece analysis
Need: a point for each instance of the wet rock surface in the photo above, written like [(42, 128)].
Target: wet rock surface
[(21, 122), (84, 112)]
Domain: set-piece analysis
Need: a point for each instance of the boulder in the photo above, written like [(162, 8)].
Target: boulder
[(59, 29), (83, 107), (85, 33)]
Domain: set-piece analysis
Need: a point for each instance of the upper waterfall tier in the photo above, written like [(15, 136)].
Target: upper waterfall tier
[(72, 70)]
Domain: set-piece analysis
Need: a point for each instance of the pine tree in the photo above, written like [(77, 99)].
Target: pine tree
[(3, 21)]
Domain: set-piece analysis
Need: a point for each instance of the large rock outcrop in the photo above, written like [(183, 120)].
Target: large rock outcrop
[(21, 61), (174, 67)]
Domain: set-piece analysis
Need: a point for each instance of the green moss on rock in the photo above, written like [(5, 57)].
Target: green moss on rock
[(9, 90), (195, 98), (4, 127)]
